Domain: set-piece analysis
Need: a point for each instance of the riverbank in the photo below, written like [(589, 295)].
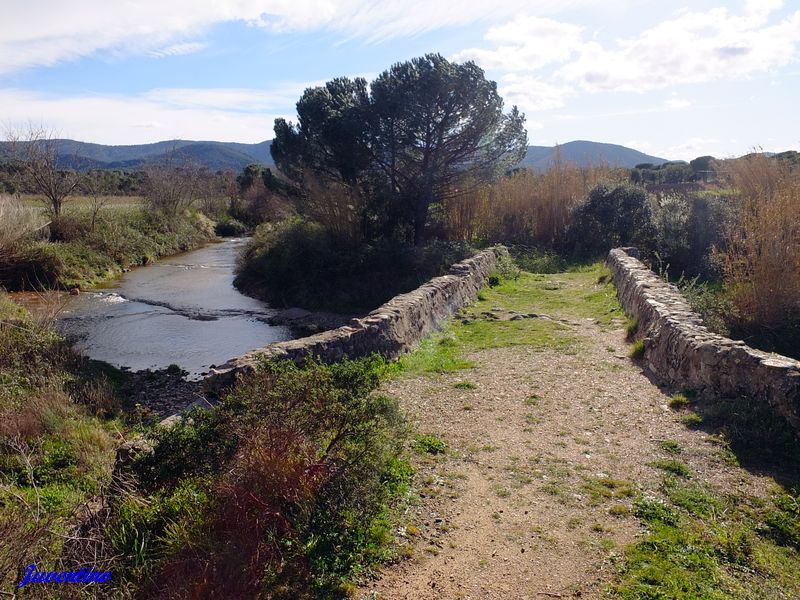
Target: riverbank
[(298, 263), (85, 250), (60, 422)]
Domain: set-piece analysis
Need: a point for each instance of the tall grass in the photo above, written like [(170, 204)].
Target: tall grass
[(527, 207), (761, 258), (17, 223)]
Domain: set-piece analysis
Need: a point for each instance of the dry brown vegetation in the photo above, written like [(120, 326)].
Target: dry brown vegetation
[(17, 222), (761, 260), (527, 207)]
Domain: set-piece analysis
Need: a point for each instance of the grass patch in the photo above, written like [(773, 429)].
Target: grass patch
[(577, 295), (670, 446), (429, 444), (631, 328), (437, 353), (678, 401), (606, 488), (673, 466), (465, 385), (691, 419), (637, 350)]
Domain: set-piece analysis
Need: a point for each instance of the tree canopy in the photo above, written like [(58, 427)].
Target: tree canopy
[(417, 135)]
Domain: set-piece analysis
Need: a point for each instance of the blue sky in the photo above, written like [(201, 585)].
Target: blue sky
[(671, 78)]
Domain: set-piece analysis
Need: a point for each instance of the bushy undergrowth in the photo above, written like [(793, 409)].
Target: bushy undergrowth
[(299, 263), (610, 218), (55, 441), (285, 490), (227, 226), (82, 255)]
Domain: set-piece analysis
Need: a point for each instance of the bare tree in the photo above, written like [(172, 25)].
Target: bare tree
[(171, 186), (97, 186), (36, 159)]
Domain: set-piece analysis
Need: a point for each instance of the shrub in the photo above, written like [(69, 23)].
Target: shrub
[(227, 226), (299, 263), (612, 217), (538, 261), (302, 470), (671, 221), (119, 239)]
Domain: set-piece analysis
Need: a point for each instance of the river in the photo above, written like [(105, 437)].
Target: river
[(180, 310)]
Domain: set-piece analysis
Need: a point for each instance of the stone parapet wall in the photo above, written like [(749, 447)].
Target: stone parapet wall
[(681, 351), (391, 329)]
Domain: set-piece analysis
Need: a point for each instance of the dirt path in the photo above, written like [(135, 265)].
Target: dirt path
[(547, 449)]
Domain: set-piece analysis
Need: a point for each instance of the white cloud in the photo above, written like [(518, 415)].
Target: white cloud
[(526, 44), (543, 62), (532, 94), (692, 47), (676, 103), (46, 32), (178, 49), (217, 114), (230, 99), (694, 147)]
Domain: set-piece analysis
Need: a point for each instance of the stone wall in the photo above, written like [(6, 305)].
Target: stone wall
[(391, 329), (681, 351)]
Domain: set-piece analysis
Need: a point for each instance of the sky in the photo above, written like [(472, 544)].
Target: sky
[(672, 78)]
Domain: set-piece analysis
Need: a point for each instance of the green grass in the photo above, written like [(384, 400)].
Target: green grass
[(57, 438), (701, 545), (691, 419), (631, 328), (602, 489), (572, 295), (84, 256), (673, 466), (429, 444), (678, 401), (670, 446), (85, 202), (437, 353), (637, 350)]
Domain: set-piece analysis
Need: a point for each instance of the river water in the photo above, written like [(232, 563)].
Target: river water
[(181, 310)]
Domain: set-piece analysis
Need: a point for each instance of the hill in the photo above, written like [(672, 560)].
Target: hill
[(584, 154), (235, 156), (218, 156)]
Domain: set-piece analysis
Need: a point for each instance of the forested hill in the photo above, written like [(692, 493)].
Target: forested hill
[(234, 156)]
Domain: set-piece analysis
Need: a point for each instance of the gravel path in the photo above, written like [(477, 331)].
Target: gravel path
[(545, 457)]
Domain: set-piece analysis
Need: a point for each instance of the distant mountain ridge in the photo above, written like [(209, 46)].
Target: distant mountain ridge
[(222, 156), (585, 154)]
